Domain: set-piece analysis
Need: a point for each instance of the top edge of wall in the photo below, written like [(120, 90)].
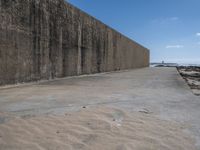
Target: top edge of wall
[(71, 5)]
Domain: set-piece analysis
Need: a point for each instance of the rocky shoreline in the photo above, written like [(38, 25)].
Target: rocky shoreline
[(192, 76)]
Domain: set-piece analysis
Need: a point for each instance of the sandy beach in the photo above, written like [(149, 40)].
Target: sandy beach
[(94, 129), (144, 109)]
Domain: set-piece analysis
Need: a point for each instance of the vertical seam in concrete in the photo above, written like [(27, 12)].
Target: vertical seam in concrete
[(79, 69)]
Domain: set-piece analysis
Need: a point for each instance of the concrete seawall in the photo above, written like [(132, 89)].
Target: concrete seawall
[(45, 39)]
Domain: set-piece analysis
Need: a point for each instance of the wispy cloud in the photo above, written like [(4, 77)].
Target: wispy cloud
[(173, 18), (185, 60), (198, 34), (165, 20), (174, 46)]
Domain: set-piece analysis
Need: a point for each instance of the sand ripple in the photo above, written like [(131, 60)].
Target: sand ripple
[(94, 129)]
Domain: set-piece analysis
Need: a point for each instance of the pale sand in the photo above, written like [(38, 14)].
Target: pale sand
[(94, 129)]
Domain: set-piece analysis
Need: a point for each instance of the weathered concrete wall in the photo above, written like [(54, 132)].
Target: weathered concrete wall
[(42, 39)]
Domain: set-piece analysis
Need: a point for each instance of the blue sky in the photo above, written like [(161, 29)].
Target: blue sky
[(169, 28)]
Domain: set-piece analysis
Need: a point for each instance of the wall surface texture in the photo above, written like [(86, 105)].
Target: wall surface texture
[(45, 39)]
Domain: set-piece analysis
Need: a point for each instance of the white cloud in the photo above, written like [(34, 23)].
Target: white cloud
[(174, 46), (198, 34)]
